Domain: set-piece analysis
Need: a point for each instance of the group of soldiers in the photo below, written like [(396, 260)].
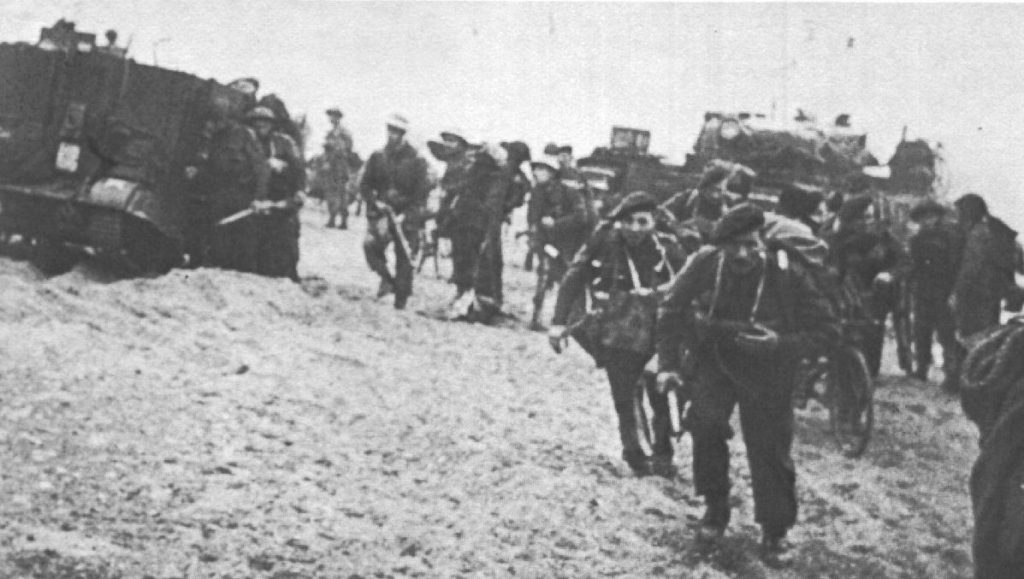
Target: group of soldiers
[(247, 183), (482, 184), (728, 298), (732, 298)]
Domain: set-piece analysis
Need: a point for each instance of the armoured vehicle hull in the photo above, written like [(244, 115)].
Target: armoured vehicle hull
[(94, 149)]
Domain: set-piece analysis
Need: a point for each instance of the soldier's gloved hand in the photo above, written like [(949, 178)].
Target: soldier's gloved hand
[(547, 222), (277, 165), (760, 340), (668, 381), (558, 338)]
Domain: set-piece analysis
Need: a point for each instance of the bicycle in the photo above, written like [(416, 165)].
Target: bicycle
[(840, 380)]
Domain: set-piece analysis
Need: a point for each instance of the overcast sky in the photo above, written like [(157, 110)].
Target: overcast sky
[(566, 72)]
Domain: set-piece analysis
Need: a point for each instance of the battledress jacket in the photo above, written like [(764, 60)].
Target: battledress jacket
[(986, 273), (791, 304), (284, 185), (934, 261), (567, 207), (602, 266), (234, 172), (397, 176)]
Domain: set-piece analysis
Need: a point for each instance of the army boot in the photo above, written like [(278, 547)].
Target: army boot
[(661, 465), (638, 463), (776, 550), (386, 287), (922, 372), (715, 519)]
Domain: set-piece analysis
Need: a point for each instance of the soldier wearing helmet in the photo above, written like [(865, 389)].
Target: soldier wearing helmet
[(278, 221), (558, 225), (230, 175)]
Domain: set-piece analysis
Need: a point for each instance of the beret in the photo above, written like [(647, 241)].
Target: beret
[(739, 220), (635, 201)]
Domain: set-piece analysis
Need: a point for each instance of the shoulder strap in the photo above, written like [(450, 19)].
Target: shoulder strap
[(633, 273)]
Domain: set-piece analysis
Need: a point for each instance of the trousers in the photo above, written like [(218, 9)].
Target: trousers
[(766, 421), (628, 384), (379, 236)]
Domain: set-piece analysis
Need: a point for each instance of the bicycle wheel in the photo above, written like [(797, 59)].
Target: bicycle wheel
[(851, 400), (811, 383)]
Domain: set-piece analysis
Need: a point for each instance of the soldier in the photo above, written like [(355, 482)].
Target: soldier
[(865, 253), (934, 260), (626, 254), (283, 121), (231, 175), (331, 179), (803, 205), (986, 274), (249, 87), (747, 316), (571, 177), (395, 185), (461, 216), (488, 184), (338, 142), (277, 220), (518, 153), (557, 220), (696, 212), (338, 134)]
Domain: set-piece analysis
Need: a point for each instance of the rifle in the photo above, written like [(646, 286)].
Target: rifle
[(395, 226)]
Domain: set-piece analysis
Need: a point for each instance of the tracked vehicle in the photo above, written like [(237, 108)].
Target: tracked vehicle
[(96, 149)]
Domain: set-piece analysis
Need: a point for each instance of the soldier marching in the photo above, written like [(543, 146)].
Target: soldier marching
[(723, 299)]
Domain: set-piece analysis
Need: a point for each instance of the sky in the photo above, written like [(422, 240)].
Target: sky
[(567, 72)]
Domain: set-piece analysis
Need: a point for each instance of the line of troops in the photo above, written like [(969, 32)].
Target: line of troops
[(731, 298)]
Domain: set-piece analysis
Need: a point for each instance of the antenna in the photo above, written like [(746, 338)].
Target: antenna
[(155, 45)]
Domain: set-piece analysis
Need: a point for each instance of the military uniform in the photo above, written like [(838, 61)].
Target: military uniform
[(934, 261), (232, 176), (696, 314), (278, 231), (603, 267), (331, 178), (340, 138), (985, 275), (489, 184), (859, 257), (461, 219), (567, 207), (395, 176)]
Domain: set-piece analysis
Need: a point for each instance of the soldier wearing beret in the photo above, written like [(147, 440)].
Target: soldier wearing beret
[(747, 316), (626, 253)]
